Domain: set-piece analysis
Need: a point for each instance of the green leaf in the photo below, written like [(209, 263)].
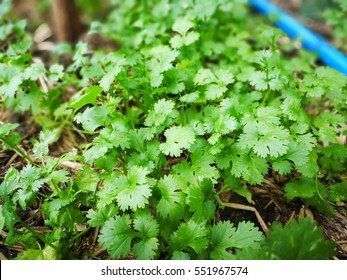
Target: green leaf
[(56, 72), (251, 167), (2, 219), (311, 192), (109, 190), (6, 128), (79, 55), (108, 78), (10, 183), (95, 152), (171, 204), (92, 118), (204, 10), (302, 188), (48, 253), (87, 179), (29, 183), (265, 140), (200, 168), (180, 256), (299, 240), (148, 229), (263, 81), (220, 236), (246, 235), (35, 71), (178, 41), (338, 192), (215, 91), (177, 139), (9, 214), (282, 166), (334, 158), (9, 89), (201, 201), (133, 189), (299, 150), (46, 137), (190, 234), (162, 109), (235, 184), (182, 25), (55, 209), (114, 137), (146, 249), (89, 97), (100, 216), (116, 236), (204, 76), (161, 61)]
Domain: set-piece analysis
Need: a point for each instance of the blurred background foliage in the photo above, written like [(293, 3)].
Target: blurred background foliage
[(327, 17)]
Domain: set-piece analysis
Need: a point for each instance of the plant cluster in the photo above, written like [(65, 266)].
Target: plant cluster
[(201, 98)]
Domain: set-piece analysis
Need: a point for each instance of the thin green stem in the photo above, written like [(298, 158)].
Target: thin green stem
[(79, 235), (38, 235), (18, 150)]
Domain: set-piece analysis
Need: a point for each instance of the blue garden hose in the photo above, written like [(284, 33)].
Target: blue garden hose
[(309, 39)]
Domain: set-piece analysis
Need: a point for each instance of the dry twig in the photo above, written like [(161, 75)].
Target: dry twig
[(252, 209)]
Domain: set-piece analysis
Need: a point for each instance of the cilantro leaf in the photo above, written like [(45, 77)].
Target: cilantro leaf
[(87, 179), (182, 25), (185, 38), (6, 128), (303, 188), (148, 229), (2, 219), (46, 137), (201, 200), (282, 166), (220, 236), (35, 71), (100, 216), (250, 166), (89, 97), (263, 81), (265, 140), (161, 61), (200, 168), (180, 256), (133, 190), (116, 236), (171, 203), (245, 235), (204, 76), (114, 138), (311, 192), (94, 152), (56, 72), (295, 241), (29, 184), (190, 234), (92, 118), (338, 192), (177, 139), (299, 240), (162, 109), (108, 78)]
